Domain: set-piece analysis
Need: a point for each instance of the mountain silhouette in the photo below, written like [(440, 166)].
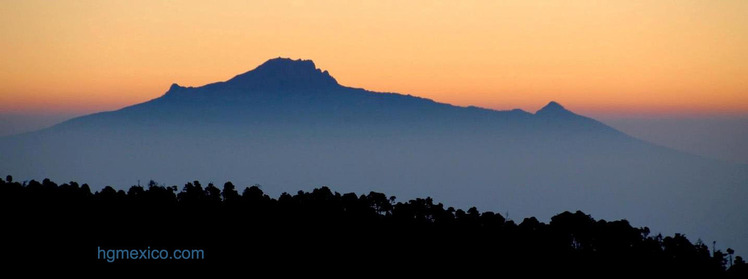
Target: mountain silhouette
[(288, 125)]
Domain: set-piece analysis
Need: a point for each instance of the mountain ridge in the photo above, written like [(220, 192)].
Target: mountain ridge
[(285, 77), (296, 91)]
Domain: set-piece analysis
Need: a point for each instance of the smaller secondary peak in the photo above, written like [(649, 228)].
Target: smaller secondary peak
[(553, 109), (175, 86), (553, 105)]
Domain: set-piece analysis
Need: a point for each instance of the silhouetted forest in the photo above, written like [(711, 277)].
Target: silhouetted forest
[(325, 231)]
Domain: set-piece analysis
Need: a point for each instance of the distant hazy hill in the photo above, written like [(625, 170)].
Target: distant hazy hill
[(288, 126)]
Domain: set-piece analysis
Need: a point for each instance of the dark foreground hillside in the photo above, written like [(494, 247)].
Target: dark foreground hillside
[(324, 232)]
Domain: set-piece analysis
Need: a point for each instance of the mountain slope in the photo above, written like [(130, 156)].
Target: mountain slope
[(288, 126)]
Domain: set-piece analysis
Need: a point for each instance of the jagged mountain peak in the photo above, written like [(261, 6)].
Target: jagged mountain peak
[(284, 73)]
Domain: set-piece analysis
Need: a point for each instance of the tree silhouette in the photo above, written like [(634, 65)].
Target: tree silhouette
[(322, 230)]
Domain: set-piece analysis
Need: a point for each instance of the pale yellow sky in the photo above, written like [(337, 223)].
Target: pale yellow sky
[(592, 56)]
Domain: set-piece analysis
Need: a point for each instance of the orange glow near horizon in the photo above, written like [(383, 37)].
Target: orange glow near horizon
[(591, 56)]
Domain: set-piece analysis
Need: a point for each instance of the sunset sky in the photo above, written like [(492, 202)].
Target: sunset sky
[(595, 57)]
